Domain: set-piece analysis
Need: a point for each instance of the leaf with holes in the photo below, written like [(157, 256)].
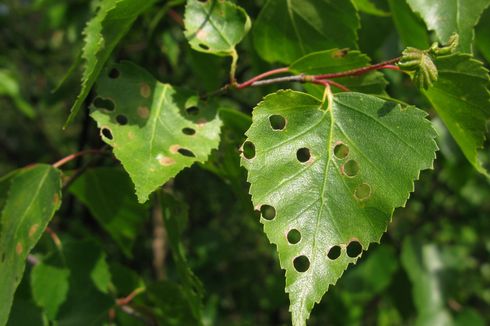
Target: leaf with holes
[(155, 130), (113, 20), (335, 60), (446, 17), (327, 179), (33, 198), (289, 29), (215, 26), (462, 100)]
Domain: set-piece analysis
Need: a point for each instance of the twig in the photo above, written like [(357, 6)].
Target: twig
[(159, 242), (359, 71), (127, 299), (73, 156), (262, 76)]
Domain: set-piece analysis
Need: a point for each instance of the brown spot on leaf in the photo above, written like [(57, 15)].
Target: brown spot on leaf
[(19, 248), (174, 148), (201, 122), (164, 160), (340, 53), (33, 230), (130, 135), (143, 112), (145, 90), (56, 199)]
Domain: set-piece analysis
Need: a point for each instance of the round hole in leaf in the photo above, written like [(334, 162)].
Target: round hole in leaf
[(268, 212), (186, 152), (104, 103), (341, 151), (248, 150), (334, 252), (188, 131), (363, 191), (114, 73), (203, 46), (193, 110), (294, 236), (121, 119), (354, 249), (301, 263), (107, 133), (303, 154), (351, 168), (278, 122)]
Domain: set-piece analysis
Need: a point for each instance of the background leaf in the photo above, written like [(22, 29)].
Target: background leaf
[(286, 30), (446, 17), (108, 193), (155, 129), (215, 26), (33, 198), (103, 32), (369, 8), (462, 100), (327, 182), (410, 28)]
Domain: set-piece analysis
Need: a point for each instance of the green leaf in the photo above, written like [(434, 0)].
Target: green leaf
[(462, 100), (483, 35), (215, 26), (335, 60), (10, 87), (421, 66), (49, 287), (33, 198), (368, 7), (286, 30), (327, 182), (103, 32), (410, 28), (107, 192), (155, 130), (446, 17)]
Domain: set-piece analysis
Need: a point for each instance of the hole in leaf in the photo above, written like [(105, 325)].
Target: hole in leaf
[(354, 249), (268, 212), (107, 133), (303, 154), (277, 122), (188, 131), (301, 263), (248, 150), (341, 151), (363, 191), (351, 168), (104, 103), (334, 252), (114, 73), (186, 152), (122, 119), (203, 46), (193, 110), (294, 236)]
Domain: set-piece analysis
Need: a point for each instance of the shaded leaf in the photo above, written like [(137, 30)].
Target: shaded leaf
[(49, 287), (103, 32), (410, 28), (483, 35), (328, 181), (446, 17), (10, 87), (108, 193), (215, 26), (155, 130), (335, 60), (33, 198), (462, 100), (286, 30), (369, 8)]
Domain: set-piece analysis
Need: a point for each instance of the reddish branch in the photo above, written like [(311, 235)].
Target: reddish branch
[(73, 156), (127, 299), (262, 76)]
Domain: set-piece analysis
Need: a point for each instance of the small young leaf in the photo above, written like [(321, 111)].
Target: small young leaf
[(334, 174), (155, 129), (289, 29), (446, 17), (336, 60), (462, 100), (421, 64), (107, 192), (113, 20), (49, 287), (33, 198), (215, 26)]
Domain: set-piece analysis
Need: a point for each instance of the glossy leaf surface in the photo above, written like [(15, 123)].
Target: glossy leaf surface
[(286, 30), (446, 17), (327, 182), (33, 198), (155, 129)]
